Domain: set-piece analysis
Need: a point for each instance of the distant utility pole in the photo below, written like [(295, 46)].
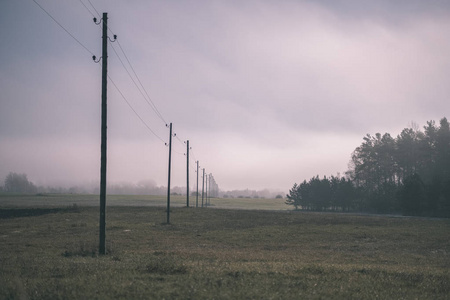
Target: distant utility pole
[(196, 201), (210, 192), (211, 187), (206, 190), (170, 166), (187, 174), (102, 244), (203, 184), (208, 196)]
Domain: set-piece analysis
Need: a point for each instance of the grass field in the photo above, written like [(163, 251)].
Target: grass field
[(56, 200), (51, 253)]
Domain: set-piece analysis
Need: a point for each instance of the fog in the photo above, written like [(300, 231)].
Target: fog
[(268, 94)]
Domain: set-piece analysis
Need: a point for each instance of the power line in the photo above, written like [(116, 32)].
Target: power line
[(137, 86), (93, 15), (93, 7), (71, 35), (193, 156), (177, 152), (90, 12), (151, 103), (141, 88), (123, 65), (146, 97), (135, 112), (181, 142)]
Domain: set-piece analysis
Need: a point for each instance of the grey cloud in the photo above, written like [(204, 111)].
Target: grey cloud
[(255, 85)]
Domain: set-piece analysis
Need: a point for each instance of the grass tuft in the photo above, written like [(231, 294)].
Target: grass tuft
[(165, 265), (80, 249)]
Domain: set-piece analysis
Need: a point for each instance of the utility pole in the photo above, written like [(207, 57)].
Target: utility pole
[(102, 244), (206, 190), (187, 174), (203, 184), (196, 201), (208, 196), (170, 166), (211, 187)]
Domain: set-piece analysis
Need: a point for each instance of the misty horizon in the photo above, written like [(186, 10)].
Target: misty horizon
[(143, 187), (267, 94)]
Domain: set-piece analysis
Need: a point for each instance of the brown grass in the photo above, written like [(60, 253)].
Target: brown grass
[(221, 254)]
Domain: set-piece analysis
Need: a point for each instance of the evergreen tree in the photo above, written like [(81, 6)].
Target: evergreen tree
[(293, 198), (410, 173), (413, 198)]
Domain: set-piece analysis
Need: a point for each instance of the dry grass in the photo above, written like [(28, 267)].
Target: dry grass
[(57, 200), (221, 254)]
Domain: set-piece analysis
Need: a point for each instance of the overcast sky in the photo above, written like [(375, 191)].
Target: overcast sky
[(269, 93)]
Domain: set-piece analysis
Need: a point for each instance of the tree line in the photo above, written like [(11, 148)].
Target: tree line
[(18, 183), (408, 174)]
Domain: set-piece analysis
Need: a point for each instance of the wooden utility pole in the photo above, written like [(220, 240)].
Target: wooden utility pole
[(196, 199), (187, 174), (203, 184), (206, 190), (168, 183), (208, 195), (102, 244)]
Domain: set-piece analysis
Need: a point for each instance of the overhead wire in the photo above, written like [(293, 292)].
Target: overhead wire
[(183, 145), (150, 101), (146, 96), (115, 85), (126, 69), (135, 83), (60, 25), (93, 7), (117, 88), (177, 152), (135, 112), (193, 155), (141, 88), (90, 12), (181, 142)]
